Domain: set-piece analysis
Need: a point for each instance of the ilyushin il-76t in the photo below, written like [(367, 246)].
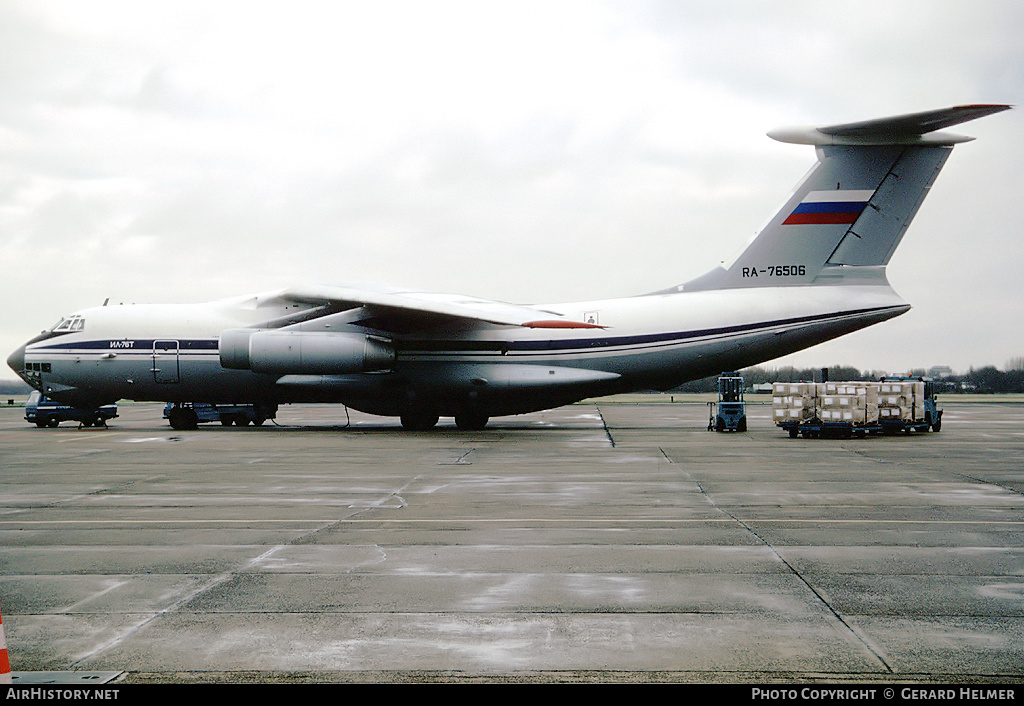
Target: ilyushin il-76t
[(816, 271)]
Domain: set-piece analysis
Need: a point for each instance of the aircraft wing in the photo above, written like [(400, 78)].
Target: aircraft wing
[(384, 300)]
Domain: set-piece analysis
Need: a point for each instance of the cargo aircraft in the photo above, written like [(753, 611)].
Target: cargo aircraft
[(814, 272)]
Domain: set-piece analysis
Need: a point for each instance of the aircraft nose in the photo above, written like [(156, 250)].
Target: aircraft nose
[(17, 360)]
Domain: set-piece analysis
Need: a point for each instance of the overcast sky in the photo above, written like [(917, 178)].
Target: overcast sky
[(522, 151)]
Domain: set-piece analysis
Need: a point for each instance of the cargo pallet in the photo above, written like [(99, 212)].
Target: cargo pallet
[(816, 429), (845, 409)]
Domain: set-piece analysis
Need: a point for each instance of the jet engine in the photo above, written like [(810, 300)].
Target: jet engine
[(304, 352)]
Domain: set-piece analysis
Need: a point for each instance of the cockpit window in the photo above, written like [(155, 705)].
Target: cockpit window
[(69, 324)]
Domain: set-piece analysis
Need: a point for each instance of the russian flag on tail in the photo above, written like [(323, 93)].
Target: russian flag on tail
[(842, 206)]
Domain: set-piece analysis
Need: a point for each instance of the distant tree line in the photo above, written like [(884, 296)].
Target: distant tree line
[(14, 387), (986, 380)]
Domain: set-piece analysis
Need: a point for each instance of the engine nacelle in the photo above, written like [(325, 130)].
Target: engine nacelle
[(303, 352)]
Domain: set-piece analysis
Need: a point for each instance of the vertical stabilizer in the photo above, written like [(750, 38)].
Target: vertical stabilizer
[(843, 222)]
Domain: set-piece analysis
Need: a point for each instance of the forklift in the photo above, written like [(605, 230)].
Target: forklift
[(730, 414)]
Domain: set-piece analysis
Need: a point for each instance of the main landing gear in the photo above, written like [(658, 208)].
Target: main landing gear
[(471, 421), (183, 418), (420, 420)]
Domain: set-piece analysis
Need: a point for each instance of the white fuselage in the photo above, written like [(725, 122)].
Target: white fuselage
[(171, 352)]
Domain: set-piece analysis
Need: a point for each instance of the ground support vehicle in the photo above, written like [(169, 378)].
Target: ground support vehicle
[(730, 414), (188, 415), (908, 404), (44, 412), (844, 409)]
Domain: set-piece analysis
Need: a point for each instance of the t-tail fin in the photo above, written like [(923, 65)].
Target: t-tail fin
[(848, 215)]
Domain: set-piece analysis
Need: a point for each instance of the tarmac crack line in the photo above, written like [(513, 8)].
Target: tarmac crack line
[(792, 569), (460, 461), (173, 607), (228, 575), (394, 494), (604, 423), (984, 481)]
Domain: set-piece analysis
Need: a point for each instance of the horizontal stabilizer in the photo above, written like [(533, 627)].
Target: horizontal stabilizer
[(914, 128)]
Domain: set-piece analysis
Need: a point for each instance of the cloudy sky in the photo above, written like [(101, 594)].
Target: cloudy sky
[(522, 151)]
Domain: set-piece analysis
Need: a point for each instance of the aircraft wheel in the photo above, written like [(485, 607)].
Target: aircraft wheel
[(419, 420), (471, 421), (183, 419)]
